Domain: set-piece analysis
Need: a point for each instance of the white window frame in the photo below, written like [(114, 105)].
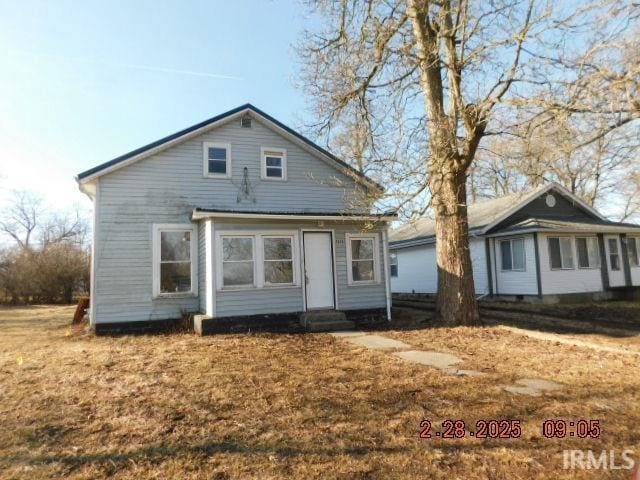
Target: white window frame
[(258, 258), (376, 258), (617, 254), (637, 242), (205, 159), (393, 262), (292, 238), (596, 265), (280, 152), (156, 245), (574, 252), (524, 252)]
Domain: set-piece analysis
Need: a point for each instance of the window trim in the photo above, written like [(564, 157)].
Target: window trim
[(393, 255), (258, 258), (587, 237), (158, 228), (376, 258), (524, 251), (573, 252), (205, 159), (637, 242), (282, 152)]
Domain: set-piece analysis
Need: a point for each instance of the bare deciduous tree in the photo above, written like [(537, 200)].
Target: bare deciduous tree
[(427, 79)]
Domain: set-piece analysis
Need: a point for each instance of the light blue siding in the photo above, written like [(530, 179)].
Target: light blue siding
[(166, 187)]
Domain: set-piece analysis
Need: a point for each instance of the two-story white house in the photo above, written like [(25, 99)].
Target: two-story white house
[(237, 216)]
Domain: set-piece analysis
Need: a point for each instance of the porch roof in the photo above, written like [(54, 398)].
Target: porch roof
[(204, 213)]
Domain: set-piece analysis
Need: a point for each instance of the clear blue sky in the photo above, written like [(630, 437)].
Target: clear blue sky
[(82, 82)]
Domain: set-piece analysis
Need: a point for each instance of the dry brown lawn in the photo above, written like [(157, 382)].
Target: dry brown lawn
[(292, 406)]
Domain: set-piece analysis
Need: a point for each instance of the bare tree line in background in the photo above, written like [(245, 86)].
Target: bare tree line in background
[(450, 100), (46, 258)]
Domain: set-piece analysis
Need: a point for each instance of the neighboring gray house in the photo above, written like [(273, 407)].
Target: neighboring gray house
[(543, 244), (238, 216)]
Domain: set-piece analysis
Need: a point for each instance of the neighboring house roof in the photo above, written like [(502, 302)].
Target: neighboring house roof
[(542, 224), (484, 216), (201, 213), (166, 142)]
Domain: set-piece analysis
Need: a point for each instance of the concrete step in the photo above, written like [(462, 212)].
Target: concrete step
[(325, 320)]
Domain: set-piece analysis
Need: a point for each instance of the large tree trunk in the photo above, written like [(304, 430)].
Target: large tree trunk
[(456, 303)]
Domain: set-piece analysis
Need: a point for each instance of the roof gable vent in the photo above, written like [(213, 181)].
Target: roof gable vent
[(245, 121)]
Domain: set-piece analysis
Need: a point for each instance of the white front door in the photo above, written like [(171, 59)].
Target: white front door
[(614, 260), (318, 270)]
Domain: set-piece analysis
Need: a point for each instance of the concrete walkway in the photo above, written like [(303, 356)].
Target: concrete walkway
[(444, 362)]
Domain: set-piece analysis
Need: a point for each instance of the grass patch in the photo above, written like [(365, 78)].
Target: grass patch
[(298, 406)]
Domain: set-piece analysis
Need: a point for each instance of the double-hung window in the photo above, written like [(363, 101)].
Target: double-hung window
[(273, 164), (587, 249), (174, 266), (393, 264), (614, 256), (561, 253), (633, 246), (238, 265), (278, 260), (512, 254), (362, 256), (217, 159)]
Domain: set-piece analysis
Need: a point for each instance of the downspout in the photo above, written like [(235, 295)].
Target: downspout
[(387, 280)]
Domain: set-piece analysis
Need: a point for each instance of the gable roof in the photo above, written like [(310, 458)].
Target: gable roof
[(199, 128), (485, 215)]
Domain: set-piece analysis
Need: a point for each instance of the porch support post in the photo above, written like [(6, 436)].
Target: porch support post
[(487, 250), (387, 280), (603, 263), (536, 249), (624, 251), (210, 294)]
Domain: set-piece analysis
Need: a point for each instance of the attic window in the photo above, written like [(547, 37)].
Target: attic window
[(550, 201), (245, 121)]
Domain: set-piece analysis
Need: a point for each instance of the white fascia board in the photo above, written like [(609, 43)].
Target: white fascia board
[(267, 216)]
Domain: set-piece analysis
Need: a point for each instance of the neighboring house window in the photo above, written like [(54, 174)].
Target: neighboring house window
[(512, 254), (217, 159), (237, 261), (362, 255), (393, 263), (278, 260), (174, 250), (274, 164), (633, 245), (588, 255), (614, 257), (561, 253)]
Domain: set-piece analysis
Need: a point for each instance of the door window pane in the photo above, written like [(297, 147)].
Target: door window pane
[(517, 249), (567, 252), (505, 251), (554, 253), (632, 246), (614, 259)]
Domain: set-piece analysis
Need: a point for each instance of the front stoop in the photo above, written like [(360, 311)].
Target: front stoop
[(325, 321)]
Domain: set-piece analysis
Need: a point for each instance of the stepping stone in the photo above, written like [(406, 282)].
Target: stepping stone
[(347, 334), (533, 392), (443, 361), (539, 384), (377, 341), (468, 373)]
